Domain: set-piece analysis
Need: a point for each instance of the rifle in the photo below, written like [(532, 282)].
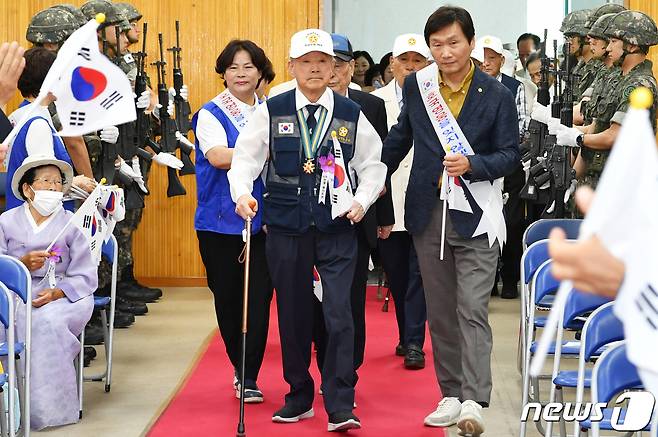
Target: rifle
[(167, 126), (535, 144), (181, 107), (124, 148)]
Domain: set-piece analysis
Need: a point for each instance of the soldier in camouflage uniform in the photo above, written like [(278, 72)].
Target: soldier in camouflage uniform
[(631, 34), (607, 77), (573, 28), (596, 64), (50, 28)]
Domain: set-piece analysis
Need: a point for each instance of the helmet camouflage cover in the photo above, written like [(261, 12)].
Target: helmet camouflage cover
[(51, 26), (82, 20), (129, 11), (574, 23), (609, 8), (113, 15), (633, 27), (599, 26)]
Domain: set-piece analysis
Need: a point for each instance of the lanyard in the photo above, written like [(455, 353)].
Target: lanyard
[(311, 143)]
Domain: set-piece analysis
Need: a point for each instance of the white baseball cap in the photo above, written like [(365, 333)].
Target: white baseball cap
[(311, 40), (478, 53), (411, 42), (490, 42)]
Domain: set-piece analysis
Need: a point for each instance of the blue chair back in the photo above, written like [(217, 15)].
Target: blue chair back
[(545, 282), (603, 327), (540, 229), (4, 305), (13, 275), (615, 374), (534, 256), (579, 303), (108, 250)]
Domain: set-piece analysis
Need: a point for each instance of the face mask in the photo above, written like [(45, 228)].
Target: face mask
[(47, 202)]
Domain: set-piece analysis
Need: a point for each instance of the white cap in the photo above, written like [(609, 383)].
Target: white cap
[(478, 53), (411, 42), (490, 42), (311, 40)]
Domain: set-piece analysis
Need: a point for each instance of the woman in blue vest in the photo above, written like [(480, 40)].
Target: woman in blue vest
[(219, 229)]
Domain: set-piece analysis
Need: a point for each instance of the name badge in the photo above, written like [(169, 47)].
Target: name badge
[(128, 57), (286, 128)]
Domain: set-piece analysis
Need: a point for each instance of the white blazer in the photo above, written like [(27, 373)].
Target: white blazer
[(399, 179)]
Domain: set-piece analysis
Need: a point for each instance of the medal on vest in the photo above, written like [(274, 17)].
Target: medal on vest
[(310, 143)]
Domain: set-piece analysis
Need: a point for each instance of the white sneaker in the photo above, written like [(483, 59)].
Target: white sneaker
[(470, 420), (446, 413)]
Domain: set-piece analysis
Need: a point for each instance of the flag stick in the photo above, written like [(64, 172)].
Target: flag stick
[(444, 214)]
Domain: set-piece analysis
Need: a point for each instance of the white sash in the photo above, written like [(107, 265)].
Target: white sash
[(488, 195), (232, 107)]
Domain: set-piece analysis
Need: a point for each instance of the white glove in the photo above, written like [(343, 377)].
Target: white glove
[(184, 93), (110, 134), (566, 136), (526, 165), (171, 107), (553, 125), (144, 100), (168, 160), (126, 170), (540, 113), (140, 178), (570, 190)]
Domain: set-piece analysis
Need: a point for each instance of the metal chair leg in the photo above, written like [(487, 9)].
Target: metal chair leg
[(80, 372)]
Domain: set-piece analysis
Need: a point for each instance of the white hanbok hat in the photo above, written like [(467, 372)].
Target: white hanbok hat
[(34, 161)]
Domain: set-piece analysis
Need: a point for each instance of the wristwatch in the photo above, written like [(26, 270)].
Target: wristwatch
[(580, 140)]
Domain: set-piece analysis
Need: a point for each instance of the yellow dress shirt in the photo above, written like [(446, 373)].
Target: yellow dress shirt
[(455, 98)]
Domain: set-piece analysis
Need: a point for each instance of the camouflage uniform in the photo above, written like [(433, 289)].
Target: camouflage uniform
[(638, 29), (79, 16), (574, 25), (51, 26)]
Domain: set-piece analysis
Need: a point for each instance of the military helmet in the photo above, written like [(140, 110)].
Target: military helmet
[(633, 27), (574, 23), (51, 26), (112, 15), (79, 16), (609, 8), (599, 26), (129, 11)]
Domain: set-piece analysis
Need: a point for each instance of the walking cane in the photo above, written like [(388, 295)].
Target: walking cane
[(245, 300)]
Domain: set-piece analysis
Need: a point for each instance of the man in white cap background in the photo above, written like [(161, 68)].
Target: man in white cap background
[(492, 49), (410, 53), (314, 145)]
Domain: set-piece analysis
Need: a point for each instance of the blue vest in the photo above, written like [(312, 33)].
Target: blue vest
[(511, 84), (215, 209), (291, 198), (19, 153)]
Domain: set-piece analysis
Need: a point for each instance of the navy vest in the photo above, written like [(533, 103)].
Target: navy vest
[(511, 84), (19, 153), (291, 197), (215, 209)]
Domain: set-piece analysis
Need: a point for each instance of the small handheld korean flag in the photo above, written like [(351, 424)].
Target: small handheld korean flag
[(341, 189)]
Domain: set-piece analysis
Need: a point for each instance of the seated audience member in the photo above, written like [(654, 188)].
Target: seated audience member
[(63, 280)]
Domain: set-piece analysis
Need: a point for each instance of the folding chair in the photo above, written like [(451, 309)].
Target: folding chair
[(17, 279), (7, 320), (540, 229), (612, 374), (110, 251)]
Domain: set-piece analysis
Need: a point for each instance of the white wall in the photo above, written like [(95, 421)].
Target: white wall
[(372, 25)]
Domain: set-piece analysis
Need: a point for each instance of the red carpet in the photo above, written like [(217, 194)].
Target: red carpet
[(391, 401)]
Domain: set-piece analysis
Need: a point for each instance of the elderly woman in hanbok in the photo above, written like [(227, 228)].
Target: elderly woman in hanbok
[(63, 280)]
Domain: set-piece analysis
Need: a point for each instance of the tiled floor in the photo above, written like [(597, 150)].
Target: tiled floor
[(152, 356)]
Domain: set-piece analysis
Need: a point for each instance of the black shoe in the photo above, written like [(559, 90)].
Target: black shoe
[(343, 421), (415, 358), (91, 351), (138, 295), (94, 334), (86, 361), (494, 290), (123, 320), (128, 306), (128, 276), (291, 414), (252, 394), (509, 293), (400, 350)]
